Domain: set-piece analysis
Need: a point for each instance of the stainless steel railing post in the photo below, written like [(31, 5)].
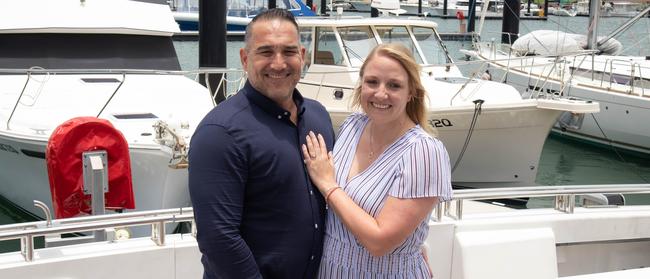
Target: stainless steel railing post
[(459, 209), (27, 247), (158, 233), (439, 209)]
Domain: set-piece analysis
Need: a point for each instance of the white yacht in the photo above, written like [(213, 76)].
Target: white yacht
[(493, 135), (547, 62), (69, 58)]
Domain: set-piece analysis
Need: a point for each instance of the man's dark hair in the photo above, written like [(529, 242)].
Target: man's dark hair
[(271, 14)]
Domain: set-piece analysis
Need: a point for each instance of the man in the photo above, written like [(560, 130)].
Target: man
[(257, 213)]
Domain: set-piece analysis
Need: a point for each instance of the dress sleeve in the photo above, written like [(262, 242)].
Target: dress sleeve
[(352, 119), (424, 172)]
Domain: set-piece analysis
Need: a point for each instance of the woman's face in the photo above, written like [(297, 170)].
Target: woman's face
[(385, 90)]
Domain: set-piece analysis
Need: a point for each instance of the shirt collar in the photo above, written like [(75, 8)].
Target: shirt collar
[(269, 106)]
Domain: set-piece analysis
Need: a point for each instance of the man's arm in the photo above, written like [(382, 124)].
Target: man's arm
[(217, 176)]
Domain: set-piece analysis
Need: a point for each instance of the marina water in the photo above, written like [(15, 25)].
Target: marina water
[(563, 162)]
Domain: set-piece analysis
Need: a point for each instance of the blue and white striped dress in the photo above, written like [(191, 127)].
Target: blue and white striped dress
[(414, 166)]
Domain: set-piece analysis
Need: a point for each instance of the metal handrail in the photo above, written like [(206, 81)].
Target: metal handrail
[(564, 195), (547, 193), (26, 232), (98, 218), (123, 72)]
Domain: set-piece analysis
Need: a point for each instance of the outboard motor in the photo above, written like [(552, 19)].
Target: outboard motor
[(65, 166)]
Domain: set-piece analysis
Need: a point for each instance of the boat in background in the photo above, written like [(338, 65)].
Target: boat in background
[(493, 135), (612, 8), (563, 12), (240, 13), (409, 7), (460, 8), (467, 239), (558, 65), (362, 6), (100, 59)]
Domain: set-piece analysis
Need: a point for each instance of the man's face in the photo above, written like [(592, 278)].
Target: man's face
[(273, 59)]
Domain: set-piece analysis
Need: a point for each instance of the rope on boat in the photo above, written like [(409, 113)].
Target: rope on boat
[(477, 111)]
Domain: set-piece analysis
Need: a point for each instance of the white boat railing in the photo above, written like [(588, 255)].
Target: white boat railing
[(229, 80), (617, 75), (26, 232), (564, 195)]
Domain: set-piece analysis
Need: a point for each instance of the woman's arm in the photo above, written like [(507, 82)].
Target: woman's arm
[(396, 221)]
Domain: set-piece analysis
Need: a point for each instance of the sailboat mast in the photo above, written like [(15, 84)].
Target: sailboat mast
[(594, 14)]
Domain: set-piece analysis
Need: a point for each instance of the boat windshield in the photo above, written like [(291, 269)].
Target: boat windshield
[(87, 51), (399, 34), (431, 45), (357, 41), (327, 50)]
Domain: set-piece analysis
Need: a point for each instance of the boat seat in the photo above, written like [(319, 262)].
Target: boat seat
[(324, 57)]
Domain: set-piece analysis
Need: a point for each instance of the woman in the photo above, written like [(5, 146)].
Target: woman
[(384, 177)]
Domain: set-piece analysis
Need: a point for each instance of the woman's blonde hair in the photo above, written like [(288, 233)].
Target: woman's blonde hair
[(416, 106)]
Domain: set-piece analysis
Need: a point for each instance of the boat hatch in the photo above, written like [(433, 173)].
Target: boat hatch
[(136, 116), (100, 80), (455, 80)]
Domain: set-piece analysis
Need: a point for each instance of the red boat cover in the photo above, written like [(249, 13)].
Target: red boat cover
[(65, 166)]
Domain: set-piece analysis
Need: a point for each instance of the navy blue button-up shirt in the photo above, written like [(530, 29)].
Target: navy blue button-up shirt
[(256, 211)]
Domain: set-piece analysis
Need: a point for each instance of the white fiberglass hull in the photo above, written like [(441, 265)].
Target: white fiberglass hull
[(505, 143), (24, 176), (412, 9), (622, 111)]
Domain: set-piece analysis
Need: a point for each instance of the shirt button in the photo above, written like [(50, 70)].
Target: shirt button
[(286, 113), (279, 116), (312, 257), (311, 192), (316, 226)]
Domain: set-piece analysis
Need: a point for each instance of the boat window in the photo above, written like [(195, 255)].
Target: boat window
[(327, 50), (398, 34), (306, 41), (358, 41), (87, 51), (430, 45)]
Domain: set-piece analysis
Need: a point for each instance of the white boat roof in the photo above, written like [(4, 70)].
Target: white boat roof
[(363, 21), (86, 17)]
